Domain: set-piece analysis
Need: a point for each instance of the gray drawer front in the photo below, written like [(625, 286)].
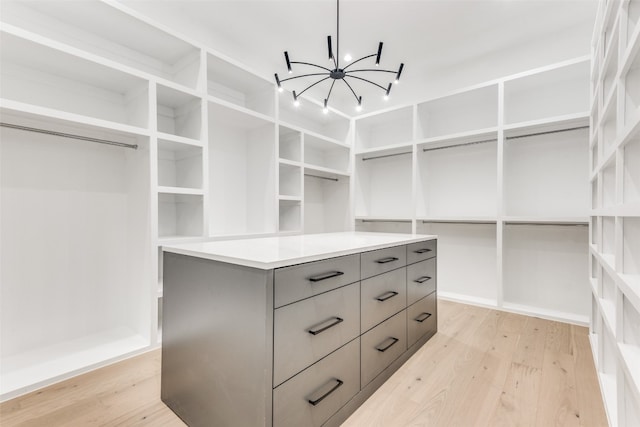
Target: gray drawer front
[(421, 280), (417, 312), (297, 282), (382, 287), (382, 345), (381, 261), (291, 405), (295, 348), (421, 251)]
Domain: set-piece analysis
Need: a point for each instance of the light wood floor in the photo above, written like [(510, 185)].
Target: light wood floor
[(483, 368)]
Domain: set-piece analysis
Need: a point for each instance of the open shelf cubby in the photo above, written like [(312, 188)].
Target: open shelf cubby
[(609, 126), (290, 142), (457, 181), (79, 212), (557, 92), (632, 91), (546, 267), (290, 180), (179, 113), (470, 110), (309, 117), (103, 29), (179, 165), (39, 75), (234, 84), (386, 128), (180, 215), (631, 245), (608, 243), (242, 175), (384, 187), (471, 245), (326, 204), (290, 215), (547, 175), (326, 154)]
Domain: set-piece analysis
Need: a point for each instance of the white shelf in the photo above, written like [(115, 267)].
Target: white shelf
[(180, 215), (180, 190), (550, 124), (459, 219), (36, 74), (386, 150), (47, 365), (179, 165), (179, 113), (235, 85), (384, 129), (89, 27), (382, 218), (461, 138), (326, 172), (289, 198), (178, 139), (578, 220)]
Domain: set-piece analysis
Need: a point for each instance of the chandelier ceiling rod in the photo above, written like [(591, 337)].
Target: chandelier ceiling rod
[(338, 73)]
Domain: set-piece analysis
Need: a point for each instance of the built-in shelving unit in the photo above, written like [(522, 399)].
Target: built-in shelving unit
[(205, 149), (615, 212), (499, 171)]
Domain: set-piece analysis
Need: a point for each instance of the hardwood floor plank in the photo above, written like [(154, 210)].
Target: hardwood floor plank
[(483, 368)]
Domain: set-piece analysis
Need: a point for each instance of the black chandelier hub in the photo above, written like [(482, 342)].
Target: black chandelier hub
[(337, 74)]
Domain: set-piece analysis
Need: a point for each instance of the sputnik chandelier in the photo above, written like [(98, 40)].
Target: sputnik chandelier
[(339, 73)]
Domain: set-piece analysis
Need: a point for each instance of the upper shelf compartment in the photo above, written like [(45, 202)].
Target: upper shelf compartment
[(309, 118), (385, 129), (470, 110), (105, 30), (557, 92), (42, 76), (231, 83)]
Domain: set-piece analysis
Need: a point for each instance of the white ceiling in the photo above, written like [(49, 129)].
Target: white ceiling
[(432, 37)]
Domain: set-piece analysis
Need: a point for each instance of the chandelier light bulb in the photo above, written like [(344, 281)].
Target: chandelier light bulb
[(348, 57), (358, 108), (280, 89), (325, 110), (296, 103), (386, 97)]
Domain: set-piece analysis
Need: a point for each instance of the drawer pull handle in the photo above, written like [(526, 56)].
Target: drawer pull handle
[(421, 319), (325, 276), (334, 388), (422, 279), (337, 320), (387, 347), (422, 251), (386, 260), (386, 296)]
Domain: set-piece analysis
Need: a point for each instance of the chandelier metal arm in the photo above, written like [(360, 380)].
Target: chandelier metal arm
[(352, 91), (330, 89), (303, 75), (358, 60), (368, 81), (372, 69), (312, 85), (313, 65)]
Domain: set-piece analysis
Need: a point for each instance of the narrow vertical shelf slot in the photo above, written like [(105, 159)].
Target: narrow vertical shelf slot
[(471, 245), (290, 144), (633, 23), (608, 376), (290, 215), (383, 186), (35, 74), (325, 154), (326, 202), (384, 129), (463, 112), (179, 165), (457, 181), (290, 182), (631, 246), (561, 91), (609, 185), (546, 267), (242, 173), (594, 194), (104, 30), (610, 73), (594, 157), (631, 173), (179, 113), (547, 175), (608, 239), (632, 91), (234, 84)]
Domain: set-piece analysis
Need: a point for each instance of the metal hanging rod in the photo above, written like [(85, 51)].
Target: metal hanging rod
[(547, 132), (386, 155), (385, 220), (507, 138), (321, 177), (69, 135), (426, 221), (555, 224), (461, 145)]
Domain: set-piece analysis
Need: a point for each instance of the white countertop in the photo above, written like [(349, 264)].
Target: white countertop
[(274, 252)]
